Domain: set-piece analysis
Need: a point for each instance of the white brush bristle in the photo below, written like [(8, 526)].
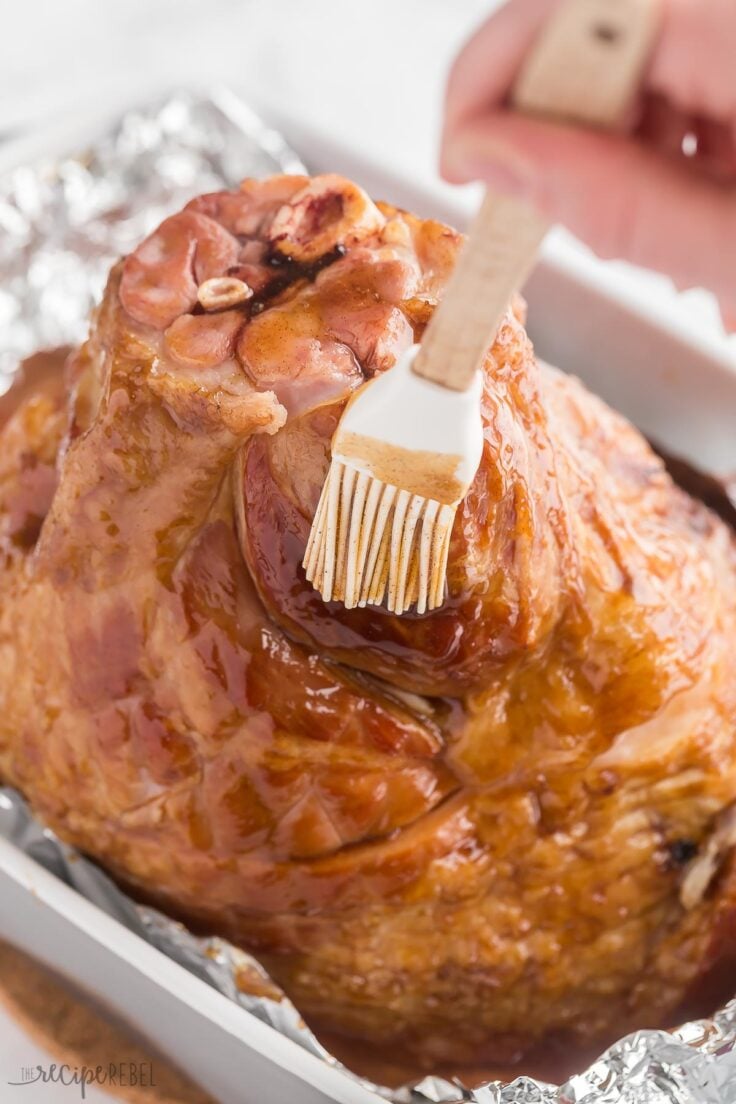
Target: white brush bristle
[(370, 541)]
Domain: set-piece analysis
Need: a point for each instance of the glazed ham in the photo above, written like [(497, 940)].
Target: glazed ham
[(462, 833)]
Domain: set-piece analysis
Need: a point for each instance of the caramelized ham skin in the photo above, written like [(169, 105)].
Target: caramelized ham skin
[(461, 833)]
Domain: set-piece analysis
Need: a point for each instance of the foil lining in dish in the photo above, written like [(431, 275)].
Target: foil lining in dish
[(63, 220)]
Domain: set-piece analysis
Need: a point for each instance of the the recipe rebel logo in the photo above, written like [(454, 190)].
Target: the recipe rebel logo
[(113, 1075)]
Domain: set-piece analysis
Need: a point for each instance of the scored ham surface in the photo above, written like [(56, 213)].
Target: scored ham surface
[(461, 833)]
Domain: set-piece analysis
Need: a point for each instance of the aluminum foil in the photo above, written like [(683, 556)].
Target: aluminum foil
[(62, 222)]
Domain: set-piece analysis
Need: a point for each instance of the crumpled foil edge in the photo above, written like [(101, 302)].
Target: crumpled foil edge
[(62, 222)]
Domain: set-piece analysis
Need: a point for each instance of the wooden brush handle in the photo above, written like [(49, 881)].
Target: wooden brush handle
[(494, 262), (588, 62), (586, 65)]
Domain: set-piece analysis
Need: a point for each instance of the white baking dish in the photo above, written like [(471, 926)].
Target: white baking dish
[(682, 395)]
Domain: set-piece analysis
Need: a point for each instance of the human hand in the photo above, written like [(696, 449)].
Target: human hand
[(662, 191)]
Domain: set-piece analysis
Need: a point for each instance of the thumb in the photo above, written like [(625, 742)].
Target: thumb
[(623, 198)]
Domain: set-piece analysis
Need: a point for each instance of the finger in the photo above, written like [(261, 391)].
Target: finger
[(618, 195), (693, 62), (716, 147), (485, 68), (709, 145), (664, 126)]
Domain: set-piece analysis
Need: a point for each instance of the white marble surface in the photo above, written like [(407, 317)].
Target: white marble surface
[(374, 72), (378, 68)]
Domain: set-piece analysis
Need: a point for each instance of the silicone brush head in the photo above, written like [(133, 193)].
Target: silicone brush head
[(403, 458)]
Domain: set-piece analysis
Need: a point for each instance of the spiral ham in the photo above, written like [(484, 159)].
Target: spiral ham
[(462, 833)]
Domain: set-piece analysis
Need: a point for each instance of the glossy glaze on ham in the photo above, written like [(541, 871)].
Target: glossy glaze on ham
[(461, 833)]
